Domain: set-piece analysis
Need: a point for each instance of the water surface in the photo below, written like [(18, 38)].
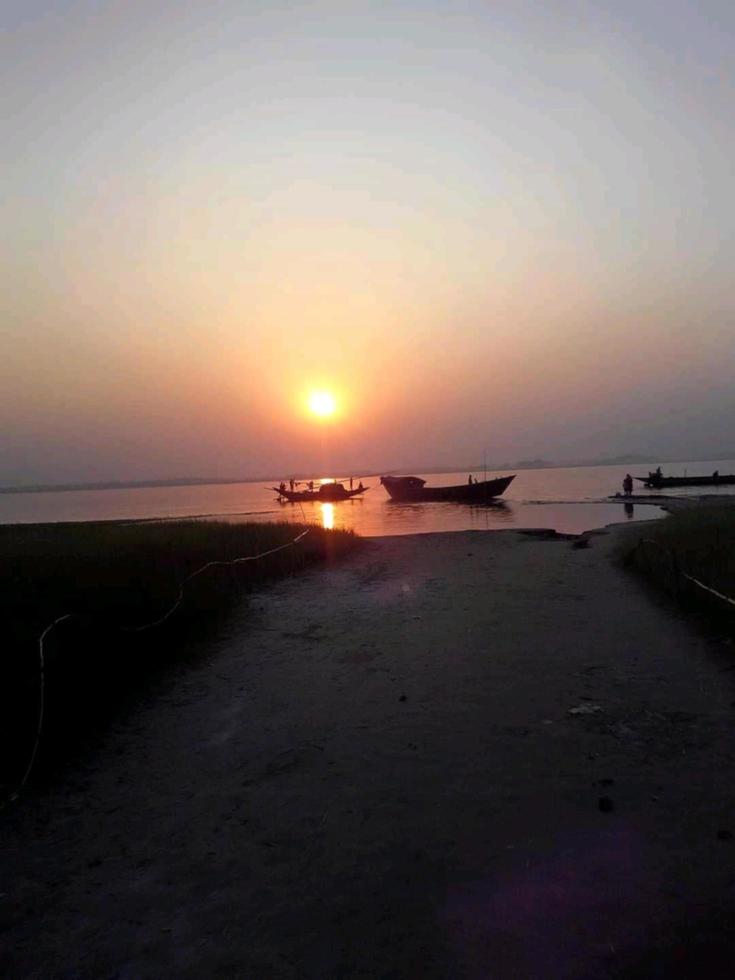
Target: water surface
[(571, 499)]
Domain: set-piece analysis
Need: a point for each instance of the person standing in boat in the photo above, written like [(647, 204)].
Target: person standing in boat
[(628, 485)]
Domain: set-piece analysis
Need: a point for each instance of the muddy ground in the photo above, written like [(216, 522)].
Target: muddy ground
[(471, 755)]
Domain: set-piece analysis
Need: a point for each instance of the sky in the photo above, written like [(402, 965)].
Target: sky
[(498, 228)]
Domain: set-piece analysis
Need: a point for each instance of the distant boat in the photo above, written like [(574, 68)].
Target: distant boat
[(411, 489), (657, 481), (326, 493)]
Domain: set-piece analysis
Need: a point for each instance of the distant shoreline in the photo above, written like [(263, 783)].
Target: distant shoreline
[(536, 464), (126, 485)]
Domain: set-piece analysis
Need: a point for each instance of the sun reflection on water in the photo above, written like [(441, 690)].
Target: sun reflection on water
[(327, 516)]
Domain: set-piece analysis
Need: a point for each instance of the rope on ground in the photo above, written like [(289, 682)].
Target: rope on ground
[(125, 629), (720, 595), (690, 578), (41, 703), (210, 564)]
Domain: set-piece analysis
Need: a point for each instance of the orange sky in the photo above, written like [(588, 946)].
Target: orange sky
[(487, 230)]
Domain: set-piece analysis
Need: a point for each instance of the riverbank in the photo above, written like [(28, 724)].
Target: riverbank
[(113, 602), (691, 556), (453, 755)]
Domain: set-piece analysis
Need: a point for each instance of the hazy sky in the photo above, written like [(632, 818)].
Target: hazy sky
[(501, 226)]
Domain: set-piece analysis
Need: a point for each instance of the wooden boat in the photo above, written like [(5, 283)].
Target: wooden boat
[(657, 482), (413, 488), (326, 493)]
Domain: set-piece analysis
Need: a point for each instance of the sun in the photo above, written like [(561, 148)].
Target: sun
[(322, 404)]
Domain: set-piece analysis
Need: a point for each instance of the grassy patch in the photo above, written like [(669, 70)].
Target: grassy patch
[(112, 575), (696, 543)]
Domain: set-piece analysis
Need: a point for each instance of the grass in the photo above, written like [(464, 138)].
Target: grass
[(697, 542), (111, 575)]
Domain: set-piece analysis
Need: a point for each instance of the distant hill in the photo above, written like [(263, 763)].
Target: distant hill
[(616, 460), (123, 485), (534, 464)]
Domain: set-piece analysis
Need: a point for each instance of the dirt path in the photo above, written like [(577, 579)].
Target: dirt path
[(378, 775)]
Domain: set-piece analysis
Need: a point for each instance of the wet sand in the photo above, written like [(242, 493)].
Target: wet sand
[(465, 755)]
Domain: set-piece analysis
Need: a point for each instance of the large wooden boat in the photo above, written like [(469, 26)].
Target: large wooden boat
[(326, 493), (413, 489), (657, 481)]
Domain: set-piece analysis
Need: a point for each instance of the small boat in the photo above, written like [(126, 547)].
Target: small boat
[(413, 488), (657, 481), (326, 493)]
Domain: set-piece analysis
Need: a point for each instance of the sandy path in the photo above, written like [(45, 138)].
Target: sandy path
[(377, 775)]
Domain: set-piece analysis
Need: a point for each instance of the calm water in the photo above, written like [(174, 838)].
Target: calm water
[(569, 500)]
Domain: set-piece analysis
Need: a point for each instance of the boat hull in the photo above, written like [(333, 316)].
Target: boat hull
[(328, 493), (662, 482), (470, 493)]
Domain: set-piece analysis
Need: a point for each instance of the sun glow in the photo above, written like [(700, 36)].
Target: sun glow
[(322, 404)]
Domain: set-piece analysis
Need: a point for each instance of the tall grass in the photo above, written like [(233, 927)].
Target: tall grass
[(111, 575), (698, 543)]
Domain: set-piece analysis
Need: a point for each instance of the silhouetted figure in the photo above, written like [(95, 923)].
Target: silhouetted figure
[(361, 487), (310, 484), (291, 483), (628, 485), (282, 487), (656, 478), (350, 483), (716, 475), (469, 478)]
